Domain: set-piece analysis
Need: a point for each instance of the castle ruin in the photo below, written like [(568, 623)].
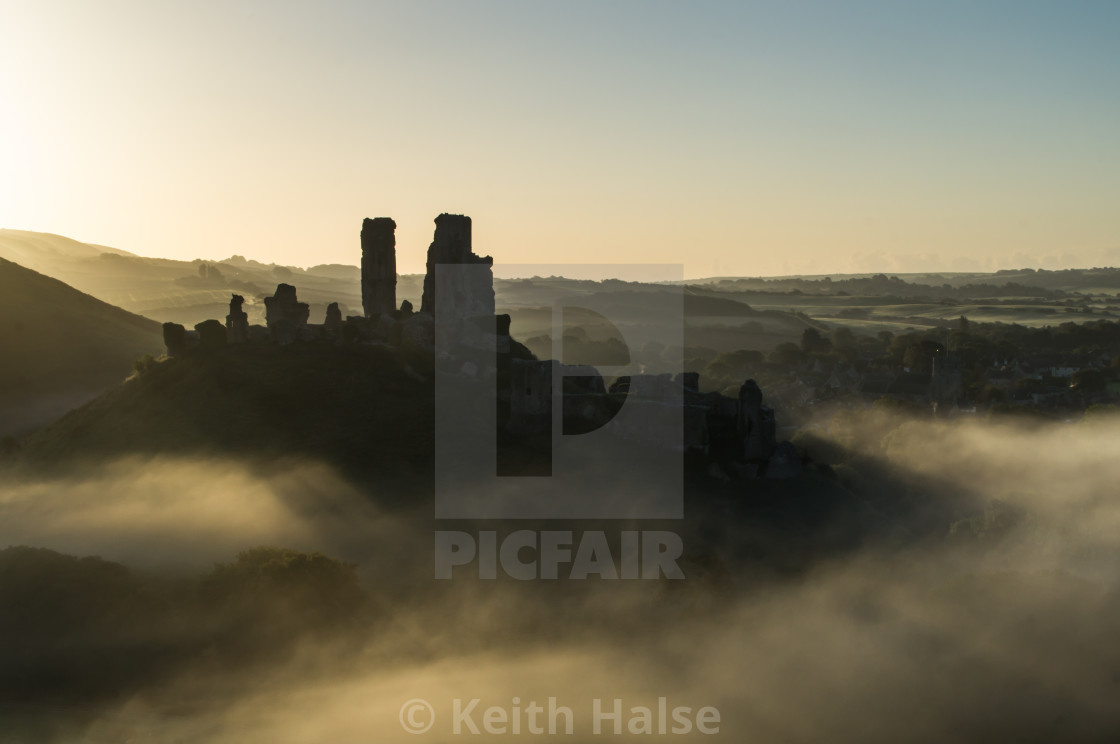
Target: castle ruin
[(736, 435), (285, 315)]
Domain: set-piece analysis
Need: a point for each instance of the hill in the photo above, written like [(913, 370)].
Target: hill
[(722, 315), (60, 347), (359, 407), (186, 292), (713, 320), (45, 252)]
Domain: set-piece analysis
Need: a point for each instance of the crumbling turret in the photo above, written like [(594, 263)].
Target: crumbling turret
[(472, 298), (175, 339), (379, 266), (332, 324), (237, 322), (285, 316)]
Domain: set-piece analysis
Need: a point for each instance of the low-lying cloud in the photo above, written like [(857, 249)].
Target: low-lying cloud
[(1002, 629)]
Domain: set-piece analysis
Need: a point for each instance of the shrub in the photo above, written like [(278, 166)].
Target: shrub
[(144, 365)]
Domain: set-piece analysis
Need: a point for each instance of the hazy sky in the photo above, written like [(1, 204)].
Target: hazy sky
[(735, 137)]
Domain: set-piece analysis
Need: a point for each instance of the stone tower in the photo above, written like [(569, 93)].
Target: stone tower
[(452, 245), (379, 266)]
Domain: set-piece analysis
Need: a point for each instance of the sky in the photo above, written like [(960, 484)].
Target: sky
[(735, 138)]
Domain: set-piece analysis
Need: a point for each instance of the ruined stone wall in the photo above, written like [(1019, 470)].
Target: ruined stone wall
[(285, 315)]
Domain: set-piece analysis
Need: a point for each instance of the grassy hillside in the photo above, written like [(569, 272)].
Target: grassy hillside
[(359, 407), (60, 347)]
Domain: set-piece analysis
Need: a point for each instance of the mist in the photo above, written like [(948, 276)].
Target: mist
[(1002, 627)]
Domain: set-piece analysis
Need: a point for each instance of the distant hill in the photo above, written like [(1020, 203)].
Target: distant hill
[(44, 252), (1006, 282), (186, 292), (59, 347), (722, 314), (713, 320)]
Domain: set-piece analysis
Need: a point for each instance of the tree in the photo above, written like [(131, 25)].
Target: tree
[(1088, 381), (812, 342), (887, 404), (992, 394), (787, 355), (144, 365), (271, 596), (734, 365), (919, 356), (843, 337), (915, 358)]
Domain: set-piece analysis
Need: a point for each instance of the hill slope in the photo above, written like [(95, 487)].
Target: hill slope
[(186, 292), (60, 347), (358, 407), (44, 252)]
